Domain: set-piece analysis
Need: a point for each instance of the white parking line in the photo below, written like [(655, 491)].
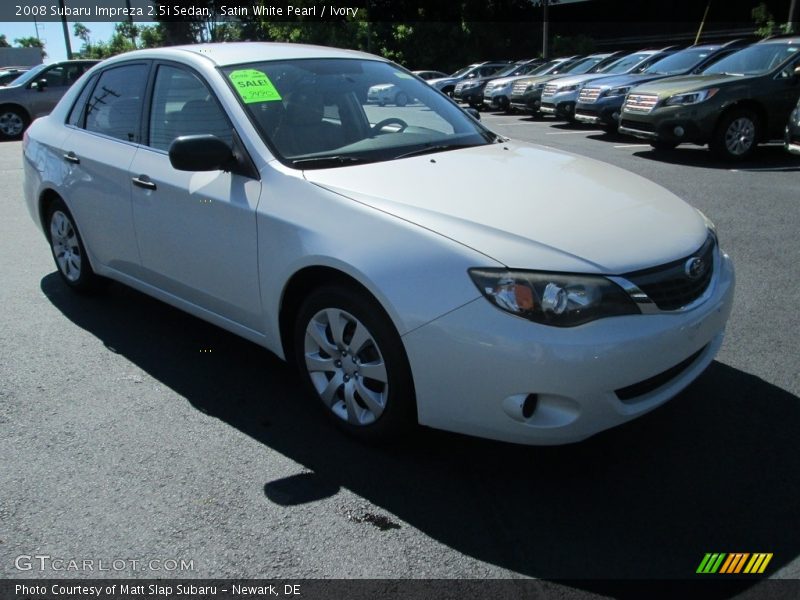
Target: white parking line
[(570, 132), (633, 146)]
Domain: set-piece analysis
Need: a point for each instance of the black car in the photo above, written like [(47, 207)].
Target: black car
[(793, 131)]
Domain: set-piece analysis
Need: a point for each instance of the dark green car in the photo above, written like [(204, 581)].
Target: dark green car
[(733, 105)]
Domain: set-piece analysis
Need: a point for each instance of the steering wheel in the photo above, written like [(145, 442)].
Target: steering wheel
[(390, 121)]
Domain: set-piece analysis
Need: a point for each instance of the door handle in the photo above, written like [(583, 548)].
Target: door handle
[(143, 181), (71, 157)]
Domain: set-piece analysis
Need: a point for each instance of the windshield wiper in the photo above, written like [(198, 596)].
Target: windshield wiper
[(431, 148), (332, 161)]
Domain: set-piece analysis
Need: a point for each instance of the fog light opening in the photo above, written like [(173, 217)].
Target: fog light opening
[(678, 131), (530, 405), (615, 116)]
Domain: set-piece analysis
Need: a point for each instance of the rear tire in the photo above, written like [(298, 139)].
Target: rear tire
[(351, 359), (13, 123), (68, 250)]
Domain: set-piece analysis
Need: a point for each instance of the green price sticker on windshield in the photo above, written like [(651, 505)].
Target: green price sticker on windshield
[(254, 86), (402, 75)]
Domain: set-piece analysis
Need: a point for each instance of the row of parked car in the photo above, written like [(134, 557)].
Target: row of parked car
[(731, 96)]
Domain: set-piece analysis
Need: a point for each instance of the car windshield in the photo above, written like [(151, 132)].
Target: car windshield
[(317, 113), (585, 65), (679, 63), (626, 63), (754, 60), (547, 67), (462, 71), (29, 75)]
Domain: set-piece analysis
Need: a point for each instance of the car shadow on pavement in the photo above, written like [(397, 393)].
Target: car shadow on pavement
[(714, 470), (765, 158)]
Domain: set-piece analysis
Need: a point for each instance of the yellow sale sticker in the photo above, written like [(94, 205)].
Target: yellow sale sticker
[(254, 86)]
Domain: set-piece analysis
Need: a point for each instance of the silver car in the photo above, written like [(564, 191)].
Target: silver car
[(35, 93)]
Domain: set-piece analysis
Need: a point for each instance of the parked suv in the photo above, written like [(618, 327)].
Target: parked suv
[(526, 92), (737, 102), (448, 84), (792, 136), (471, 90), (600, 102), (35, 93), (559, 96)]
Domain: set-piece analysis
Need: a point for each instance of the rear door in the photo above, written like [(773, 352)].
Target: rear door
[(105, 134)]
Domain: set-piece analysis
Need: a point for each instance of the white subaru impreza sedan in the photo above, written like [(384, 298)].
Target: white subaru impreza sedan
[(414, 265)]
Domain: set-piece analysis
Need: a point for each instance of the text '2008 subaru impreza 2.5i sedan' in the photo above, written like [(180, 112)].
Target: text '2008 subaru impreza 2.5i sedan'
[(253, 186)]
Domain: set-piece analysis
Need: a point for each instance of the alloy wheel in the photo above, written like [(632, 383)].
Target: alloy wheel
[(740, 136), (346, 367), (66, 249), (11, 124)]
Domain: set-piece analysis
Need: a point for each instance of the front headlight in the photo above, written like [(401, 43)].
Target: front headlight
[(691, 98), (568, 88), (617, 91), (557, 299)]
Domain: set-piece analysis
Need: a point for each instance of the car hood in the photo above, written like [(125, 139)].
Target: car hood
[(443, 80), (614, 81), (509, 79), (539, 208), (685, 83), (578, 79)]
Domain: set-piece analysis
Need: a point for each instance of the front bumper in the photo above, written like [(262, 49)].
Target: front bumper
[(474, 367), (601, 112), (671, 124)]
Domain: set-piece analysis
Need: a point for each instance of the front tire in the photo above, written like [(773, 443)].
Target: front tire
[(662, 145), (736, 135), (352, 360), (401, 99), (68, 250)]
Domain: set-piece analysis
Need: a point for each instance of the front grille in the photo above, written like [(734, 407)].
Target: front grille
[(519, 88), (669, 286), (640, 125), (589, 95), (587, 112), (641, 103), (653, 383), (549, 90)]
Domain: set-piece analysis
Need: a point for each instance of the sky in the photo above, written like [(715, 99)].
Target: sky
[(53, 36)]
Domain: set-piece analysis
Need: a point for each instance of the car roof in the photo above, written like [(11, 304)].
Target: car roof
[(232, 53)]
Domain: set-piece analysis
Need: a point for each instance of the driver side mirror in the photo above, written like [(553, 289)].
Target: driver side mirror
[(39, 85), (200, 153), (797, 73)]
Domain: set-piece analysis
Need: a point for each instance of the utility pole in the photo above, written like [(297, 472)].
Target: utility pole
[(65, 28), (545, 24), (791, 23), (703, 22), (130, 23)]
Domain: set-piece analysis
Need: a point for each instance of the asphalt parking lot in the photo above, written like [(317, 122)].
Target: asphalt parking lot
[(130, 430)]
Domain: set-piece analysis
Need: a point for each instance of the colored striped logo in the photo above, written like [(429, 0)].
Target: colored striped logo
[(735, 562)]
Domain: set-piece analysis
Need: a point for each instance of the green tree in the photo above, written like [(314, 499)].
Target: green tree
[(3, 41), (30, 42), (765, 22)]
